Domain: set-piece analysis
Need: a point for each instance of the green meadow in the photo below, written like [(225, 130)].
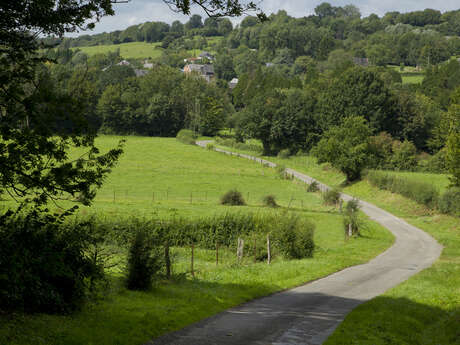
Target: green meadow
[(424, 309), (415, 78), (143, 50), (132, 50), (161, 178)]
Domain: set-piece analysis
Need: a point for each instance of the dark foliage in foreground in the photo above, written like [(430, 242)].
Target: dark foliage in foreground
[(43, 265)]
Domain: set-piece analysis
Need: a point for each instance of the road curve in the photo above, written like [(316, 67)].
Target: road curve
[(307, 315)]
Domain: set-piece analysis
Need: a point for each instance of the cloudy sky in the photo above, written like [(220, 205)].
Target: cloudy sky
[(139, 11)]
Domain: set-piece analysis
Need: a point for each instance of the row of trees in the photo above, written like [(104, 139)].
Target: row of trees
[(352, 117)]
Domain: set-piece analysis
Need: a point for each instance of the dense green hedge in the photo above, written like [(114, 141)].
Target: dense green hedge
[(421, 192), (223, 230)]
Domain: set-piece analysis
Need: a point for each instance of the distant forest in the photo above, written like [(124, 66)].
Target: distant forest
[(413, 38)]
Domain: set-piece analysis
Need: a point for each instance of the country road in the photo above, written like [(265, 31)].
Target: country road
[(307, 315)]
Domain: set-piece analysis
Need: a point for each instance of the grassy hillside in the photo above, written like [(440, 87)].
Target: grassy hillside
[(156, 165), (142, 50), (132, 50), (166, 177)]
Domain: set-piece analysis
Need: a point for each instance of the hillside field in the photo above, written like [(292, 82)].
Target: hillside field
[(132, 50), (188, 182), (142, 50)]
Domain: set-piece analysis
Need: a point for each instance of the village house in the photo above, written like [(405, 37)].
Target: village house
[(232, 83), (206, 55), (364, 62), (204, 71)]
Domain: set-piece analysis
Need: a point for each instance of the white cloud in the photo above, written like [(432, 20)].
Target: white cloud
[(139, 11)]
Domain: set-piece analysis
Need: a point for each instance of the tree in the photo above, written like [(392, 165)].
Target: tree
[(453, 154), (195, 22), (346, 147), (216, 8), (358, 92)]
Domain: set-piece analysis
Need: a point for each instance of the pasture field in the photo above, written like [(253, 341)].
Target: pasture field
[(426, 308), (412, 78), (143, 50), (132, 50), (410, 74), (173, 171)]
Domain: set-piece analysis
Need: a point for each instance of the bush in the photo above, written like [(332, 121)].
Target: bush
[(210, 147), (43, 266), (294, 237), (270, 201), (232, 198), (284, 154), (449, 202), (421, 192), (435, 164), (351, 218), (331, 197), (313, 187), (144, 261), (260, 250), (186, 136)]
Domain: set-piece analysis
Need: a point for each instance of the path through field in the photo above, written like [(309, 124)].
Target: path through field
[(307, 315)]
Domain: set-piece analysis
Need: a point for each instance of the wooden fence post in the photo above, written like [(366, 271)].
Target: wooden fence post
[(239, 251), (268, 249), (191, 264), (167, 261), (255, 249)]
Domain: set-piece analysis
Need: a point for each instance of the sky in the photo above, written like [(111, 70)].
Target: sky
[(140, 11)]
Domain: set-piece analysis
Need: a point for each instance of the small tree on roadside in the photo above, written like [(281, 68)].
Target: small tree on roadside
[(346, 147), (351, 220), (453, 156)]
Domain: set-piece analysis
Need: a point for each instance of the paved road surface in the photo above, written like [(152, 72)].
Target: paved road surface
[(307, 315)]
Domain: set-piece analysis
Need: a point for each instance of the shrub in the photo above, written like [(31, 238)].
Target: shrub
[(144, 261), (233, 198), (260, 250), (281, 170), (351, 218), (313, 187), (43, 266), (331, 197), (435, 164), (186, 136), (210, 147), (404, 156), (270, 201), (294, 237), (284, 154), (449, 202)]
